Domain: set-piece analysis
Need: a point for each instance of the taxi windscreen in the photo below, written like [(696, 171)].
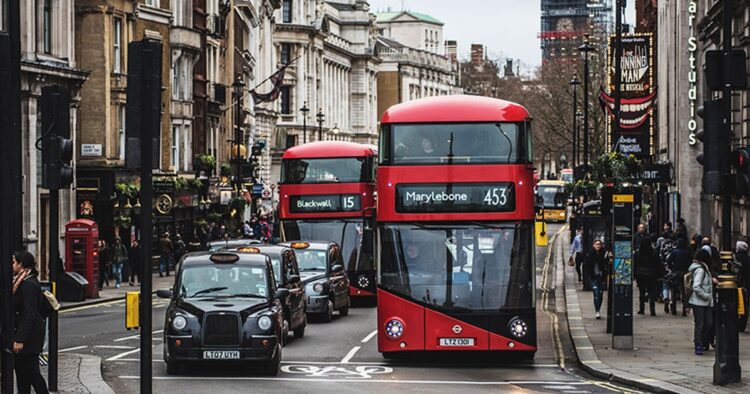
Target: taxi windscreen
[(311, 260), (223, 281)]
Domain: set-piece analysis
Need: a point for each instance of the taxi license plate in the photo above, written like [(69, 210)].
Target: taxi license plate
[(221, 355), (456, 341)]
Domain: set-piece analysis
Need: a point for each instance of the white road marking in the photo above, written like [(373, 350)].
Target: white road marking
[(379, 381), (121, 355), (70, 349), (505, 367), (113, 347), (369, 336), (136, 336), (350, 354), (566, 387)]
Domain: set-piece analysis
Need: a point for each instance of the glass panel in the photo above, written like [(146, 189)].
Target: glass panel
[(287, 11), (117, 45), (346, 233), (551, 196), (469, 268), (311, 260), (324, 170), (456, 143), (223, 281)]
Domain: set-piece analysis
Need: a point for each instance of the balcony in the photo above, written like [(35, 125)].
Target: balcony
[(183, 37), (215, 25)]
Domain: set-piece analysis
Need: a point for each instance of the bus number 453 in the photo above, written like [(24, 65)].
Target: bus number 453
[(496, 196)]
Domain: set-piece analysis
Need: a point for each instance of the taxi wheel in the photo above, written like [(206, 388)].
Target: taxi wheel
[(173, 367), (344, 311), (272, 367)]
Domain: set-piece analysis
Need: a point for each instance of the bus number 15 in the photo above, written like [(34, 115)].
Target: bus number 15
[(496, 196), (349, 202)]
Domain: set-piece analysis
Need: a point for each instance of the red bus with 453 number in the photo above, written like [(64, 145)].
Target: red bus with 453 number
[(455, 227), (326, 194)]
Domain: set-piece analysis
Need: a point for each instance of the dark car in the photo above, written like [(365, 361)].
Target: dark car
[(224, 307), (215, 246), (286, 273), (321, 268)]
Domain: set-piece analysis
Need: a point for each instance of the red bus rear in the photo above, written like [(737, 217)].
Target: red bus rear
[(327, 192), (454, 248)]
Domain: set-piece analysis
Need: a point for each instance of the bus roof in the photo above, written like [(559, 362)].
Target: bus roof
[(457, 108), (321, 149)]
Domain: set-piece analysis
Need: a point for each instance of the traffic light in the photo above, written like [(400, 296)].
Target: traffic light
[(143, 108), (714, 141), (57, 147), (741, 163), (256, 152)]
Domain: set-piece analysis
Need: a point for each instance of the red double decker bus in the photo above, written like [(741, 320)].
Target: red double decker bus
[(326, 194), (455, 227)]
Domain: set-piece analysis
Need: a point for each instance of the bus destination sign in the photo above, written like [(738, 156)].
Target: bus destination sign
[(325, 203), (455, 198)]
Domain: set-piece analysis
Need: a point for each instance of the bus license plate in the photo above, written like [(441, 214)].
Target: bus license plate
[(221, 355), (456, 341)]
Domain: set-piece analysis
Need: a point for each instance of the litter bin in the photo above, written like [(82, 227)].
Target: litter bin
[(71, 287)]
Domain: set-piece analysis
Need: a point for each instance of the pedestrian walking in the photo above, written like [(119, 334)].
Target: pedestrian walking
[(702, 300), (678, 263), (247, 231), (179, 248), (119, 259), (647, 269), (28, 333), (576, 253), (134, 261), (165, 251), (638, 237), (104, 264), (595, 270)]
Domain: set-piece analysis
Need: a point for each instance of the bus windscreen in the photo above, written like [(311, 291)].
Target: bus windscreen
[(326, 170)]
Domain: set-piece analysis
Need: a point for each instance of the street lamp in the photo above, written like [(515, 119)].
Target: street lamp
[(574, 83), (585, 49), (304, 111), (579, 122), (239, 86), (321, 118), (335, 131)]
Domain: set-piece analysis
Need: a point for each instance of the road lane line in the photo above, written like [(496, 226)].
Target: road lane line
[(70, 349), (369, 336), (121, 355), (351, 354), (560, 353), (113, 347), (84, 307), (136, 336)]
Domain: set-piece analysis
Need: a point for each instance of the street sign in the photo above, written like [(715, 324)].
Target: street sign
[(257, 189), (89, 150), (622, 272)]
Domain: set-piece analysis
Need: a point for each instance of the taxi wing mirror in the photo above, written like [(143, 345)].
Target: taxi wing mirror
[(164, 293), (293, 279), (281, 294), (337, 268)]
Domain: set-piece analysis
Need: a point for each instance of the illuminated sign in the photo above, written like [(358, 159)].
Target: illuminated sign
[(692, 43), (325, 203), (455, 197)]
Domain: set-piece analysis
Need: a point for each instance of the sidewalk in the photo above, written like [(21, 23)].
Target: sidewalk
[(109, 293), (663, 358)]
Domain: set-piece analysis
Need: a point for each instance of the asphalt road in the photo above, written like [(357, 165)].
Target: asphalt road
[(340, 356)]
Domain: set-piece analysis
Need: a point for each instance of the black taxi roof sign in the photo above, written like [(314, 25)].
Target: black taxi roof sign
[(248, 249), (224, 258), (299, 245)]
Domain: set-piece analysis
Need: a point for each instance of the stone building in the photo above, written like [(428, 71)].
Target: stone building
[(47, 58), (411, 72), (330, 46)]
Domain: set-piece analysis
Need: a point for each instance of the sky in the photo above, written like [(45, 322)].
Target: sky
[(508, 28)]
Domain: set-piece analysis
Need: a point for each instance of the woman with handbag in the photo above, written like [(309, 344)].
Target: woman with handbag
[(28, 335)]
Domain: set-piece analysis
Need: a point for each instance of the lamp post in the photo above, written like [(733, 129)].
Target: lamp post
[(585, 49), (239, 86), (321, 118), (335, 131), (304, 111), (618, 70), (579, 121), (574, 83)]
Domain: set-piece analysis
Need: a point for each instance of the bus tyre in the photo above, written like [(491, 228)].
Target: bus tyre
[(173, 368), (344, 311), (272, 367)]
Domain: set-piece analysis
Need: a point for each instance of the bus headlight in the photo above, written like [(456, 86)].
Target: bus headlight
[(264, 323), (394, 329), (518, 327), (179, 322), (362, 281)]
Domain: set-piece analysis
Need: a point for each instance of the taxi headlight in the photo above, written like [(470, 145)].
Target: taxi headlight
[(518, 327), (265, 322), (318, 287), (394, 329), (179, 322)]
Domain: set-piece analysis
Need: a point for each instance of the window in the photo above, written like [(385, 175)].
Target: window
[(121, 130), (286, 100), (176, 80), (212, 63), (334, 170), (47, 26), (182, 11), (117, 44), (175, 147), (291, 140), (286, 51), (286, 11), (186, 150), (213, 132), (152, 3)]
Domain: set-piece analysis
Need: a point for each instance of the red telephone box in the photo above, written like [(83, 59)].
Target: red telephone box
[(82, 252)]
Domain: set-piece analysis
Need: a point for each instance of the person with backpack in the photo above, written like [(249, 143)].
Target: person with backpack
[(28, 333), (678, 262), (699, 285), (648, 269)]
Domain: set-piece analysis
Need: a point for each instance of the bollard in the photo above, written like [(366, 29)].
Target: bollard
[(132, 308), (727, 366)]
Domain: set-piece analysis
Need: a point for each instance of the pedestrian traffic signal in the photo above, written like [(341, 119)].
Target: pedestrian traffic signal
[(741, 163), (714, 140), (57, 148)]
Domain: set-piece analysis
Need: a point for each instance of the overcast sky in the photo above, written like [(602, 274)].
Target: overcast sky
[(508, 28)]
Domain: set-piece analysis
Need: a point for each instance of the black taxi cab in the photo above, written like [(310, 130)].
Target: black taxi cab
[(214, 246), (224, 306), (321, 267), (286, 273)]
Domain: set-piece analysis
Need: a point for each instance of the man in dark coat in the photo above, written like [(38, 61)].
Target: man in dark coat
[(648, 269), (134, 259), (28, 335)]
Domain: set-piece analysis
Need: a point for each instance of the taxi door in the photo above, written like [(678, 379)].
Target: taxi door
[(339, 280), (296, 299)]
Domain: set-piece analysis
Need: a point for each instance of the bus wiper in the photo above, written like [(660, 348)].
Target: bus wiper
[(209, 290), (510, 143)]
